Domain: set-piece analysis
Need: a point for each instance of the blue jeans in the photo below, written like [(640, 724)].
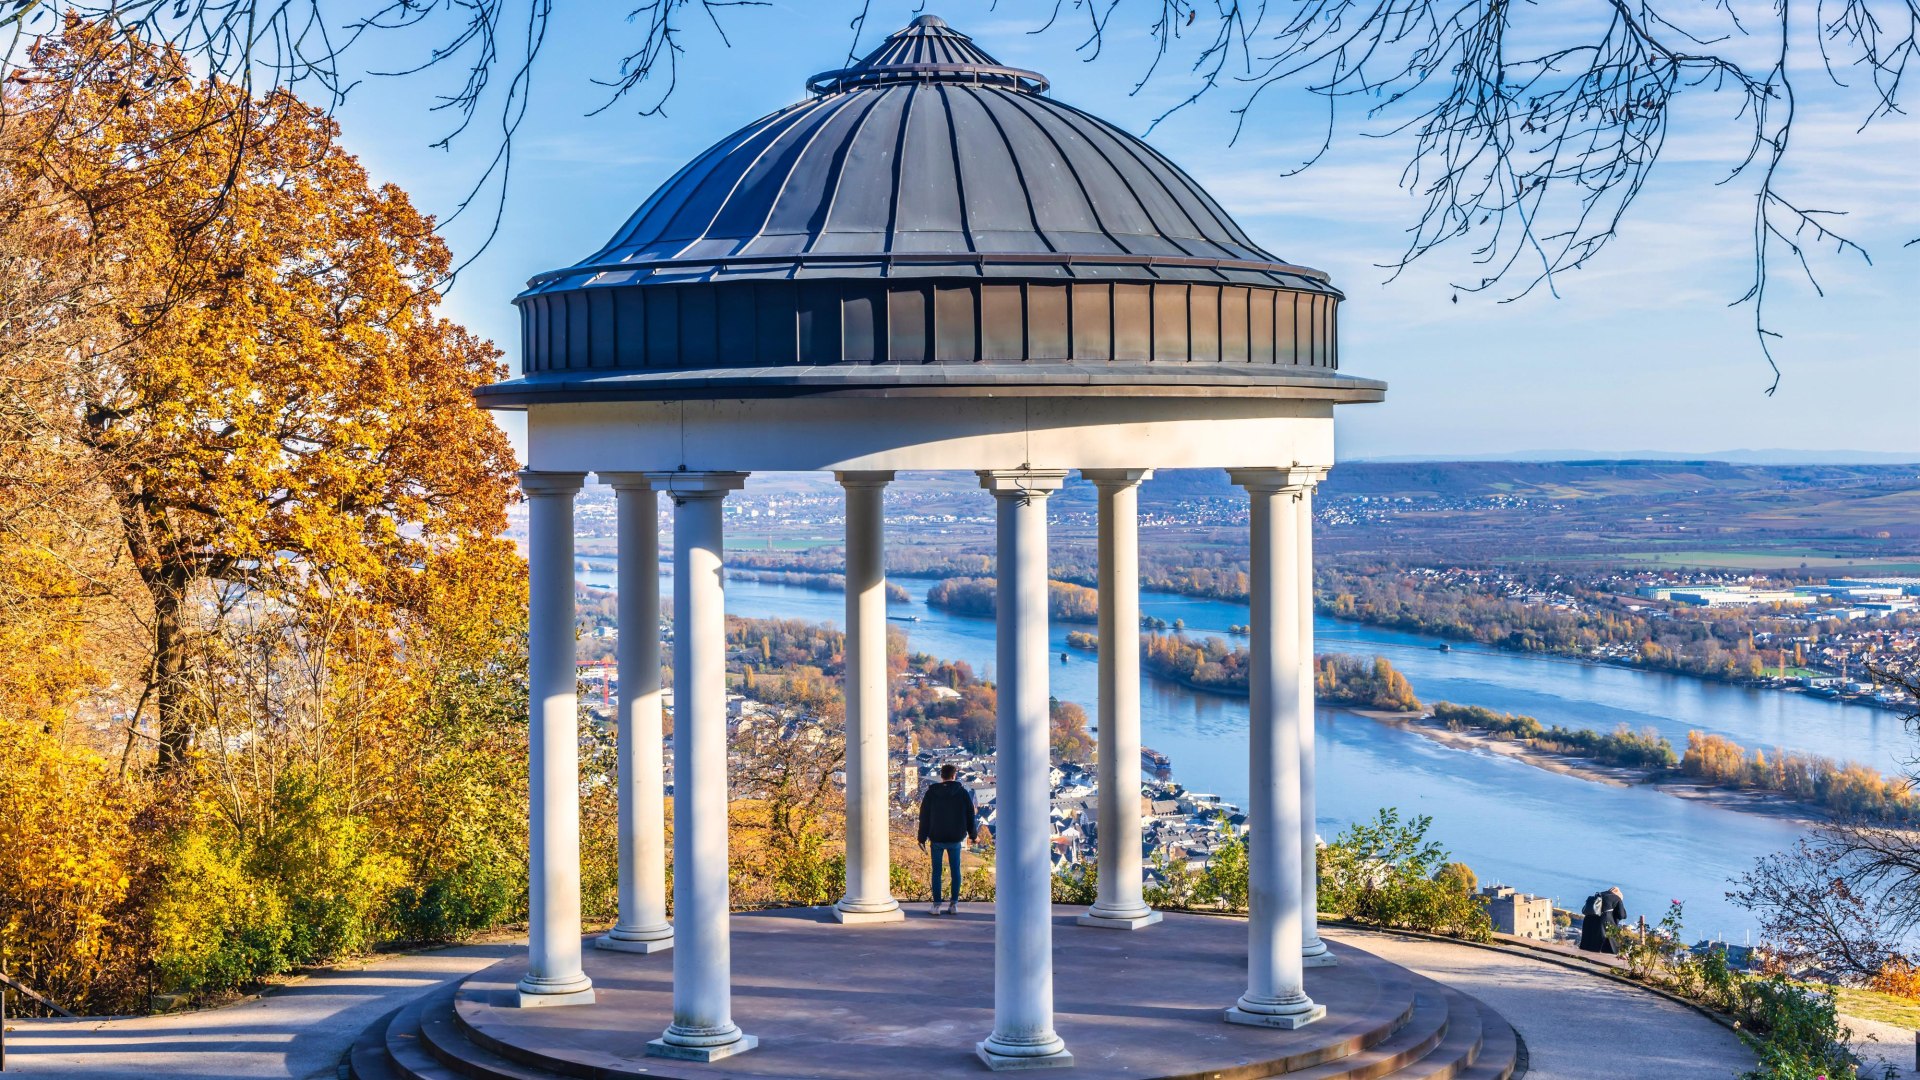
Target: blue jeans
[(952, 854)]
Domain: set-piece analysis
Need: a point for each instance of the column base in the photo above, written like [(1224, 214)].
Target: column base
[(1316, 954), (660, 1047), (859, 916), (998, 1062), (1118, 922), (572, 992), (635, 941), (1294, 1016)]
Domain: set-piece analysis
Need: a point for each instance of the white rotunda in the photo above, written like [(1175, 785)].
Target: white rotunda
[(928, 264)]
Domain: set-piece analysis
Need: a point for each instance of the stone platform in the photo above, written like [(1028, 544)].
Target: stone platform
[(910, 999)]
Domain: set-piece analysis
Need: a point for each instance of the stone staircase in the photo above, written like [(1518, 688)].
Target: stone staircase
[(1419, 1030)]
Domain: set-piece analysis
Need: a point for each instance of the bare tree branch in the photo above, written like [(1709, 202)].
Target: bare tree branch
[(1531, 129)]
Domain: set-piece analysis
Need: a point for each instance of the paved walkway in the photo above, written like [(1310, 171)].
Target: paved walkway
[(1881, 1045), (298, 1032), (1577, 1026)]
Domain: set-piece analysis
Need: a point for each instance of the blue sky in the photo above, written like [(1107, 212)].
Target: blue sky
[(1639, 352)]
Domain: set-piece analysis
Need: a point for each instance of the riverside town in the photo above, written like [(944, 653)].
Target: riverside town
[(849, 541)]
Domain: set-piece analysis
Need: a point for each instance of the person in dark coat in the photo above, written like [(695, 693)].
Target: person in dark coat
[(947, 820), (1603, 911)]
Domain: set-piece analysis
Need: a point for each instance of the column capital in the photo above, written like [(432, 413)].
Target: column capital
[(1115, 478), (1287, 479), (696, 485), (537, 483), (626, 481), (1014, 482), (863, 477)]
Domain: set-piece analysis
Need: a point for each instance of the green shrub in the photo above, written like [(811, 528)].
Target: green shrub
[(977, 884), (1224, 881), (1795, 1030), (305, 884), (1386, 872), (336, 881), (1175, 883), (1804, 1039), (904, 882), (1078, 885), (215, 927), (482, 891)]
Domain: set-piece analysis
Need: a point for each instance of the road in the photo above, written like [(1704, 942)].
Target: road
[(296, 1032), (1577, 1025)]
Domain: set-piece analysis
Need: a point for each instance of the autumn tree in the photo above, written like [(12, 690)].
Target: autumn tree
[(1067, 731), (1847, 896), (787, 843), (266, 388)]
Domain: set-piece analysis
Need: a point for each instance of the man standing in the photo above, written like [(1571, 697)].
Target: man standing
[(947, 819), (1604, 911)]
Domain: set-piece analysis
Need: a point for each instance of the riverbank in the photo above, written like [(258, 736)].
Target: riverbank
[(1553, 833), (1560, 656), (1742, 801)]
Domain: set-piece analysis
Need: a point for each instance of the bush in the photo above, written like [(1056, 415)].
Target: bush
[(75, 869), (308, 883), (1804, 1037), (1225, 882), (977, 884), (1795, 1030), (1386, 872), (1221, 886), (481, 891), (216, 927), (1174, 883), (1078, 885)]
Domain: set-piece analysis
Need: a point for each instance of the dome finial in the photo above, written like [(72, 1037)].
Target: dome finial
[(928, 50)]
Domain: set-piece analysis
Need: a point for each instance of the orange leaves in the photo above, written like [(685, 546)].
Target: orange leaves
[(268, 389), (66, 826)]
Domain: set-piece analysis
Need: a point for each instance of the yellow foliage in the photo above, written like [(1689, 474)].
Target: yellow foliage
[(1898, 977), (271, 395), (70, 865), (224, 373)]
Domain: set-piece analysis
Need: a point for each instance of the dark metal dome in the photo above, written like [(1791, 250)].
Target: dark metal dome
[(927, 206)]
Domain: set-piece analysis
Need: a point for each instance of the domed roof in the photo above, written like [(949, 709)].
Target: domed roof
[(928, 167)]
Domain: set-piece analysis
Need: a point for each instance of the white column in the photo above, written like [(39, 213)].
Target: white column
[(1276, 989), (1119, 904), (869, 895), (643, 925), (1313, 951), (1023, 1035), (553, 743), (703, 1027)]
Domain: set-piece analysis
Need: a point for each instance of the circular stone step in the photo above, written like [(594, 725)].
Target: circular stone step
[(911, 998)]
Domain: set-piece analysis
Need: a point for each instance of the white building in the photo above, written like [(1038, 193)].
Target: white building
[(925, 265)]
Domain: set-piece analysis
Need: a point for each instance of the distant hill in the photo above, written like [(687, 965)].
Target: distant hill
[(1558, 480), (1744, 457), (1443, 480)]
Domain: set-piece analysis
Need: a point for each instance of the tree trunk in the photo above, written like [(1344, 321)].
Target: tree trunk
[(169, 673)]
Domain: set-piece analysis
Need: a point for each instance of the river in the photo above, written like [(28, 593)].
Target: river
[(1539, 831)]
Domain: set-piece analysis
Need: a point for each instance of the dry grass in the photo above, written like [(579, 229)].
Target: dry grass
[(1885, 1008)]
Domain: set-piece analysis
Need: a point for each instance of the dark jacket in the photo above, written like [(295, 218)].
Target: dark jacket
[(947, 814), (1593, 927)]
